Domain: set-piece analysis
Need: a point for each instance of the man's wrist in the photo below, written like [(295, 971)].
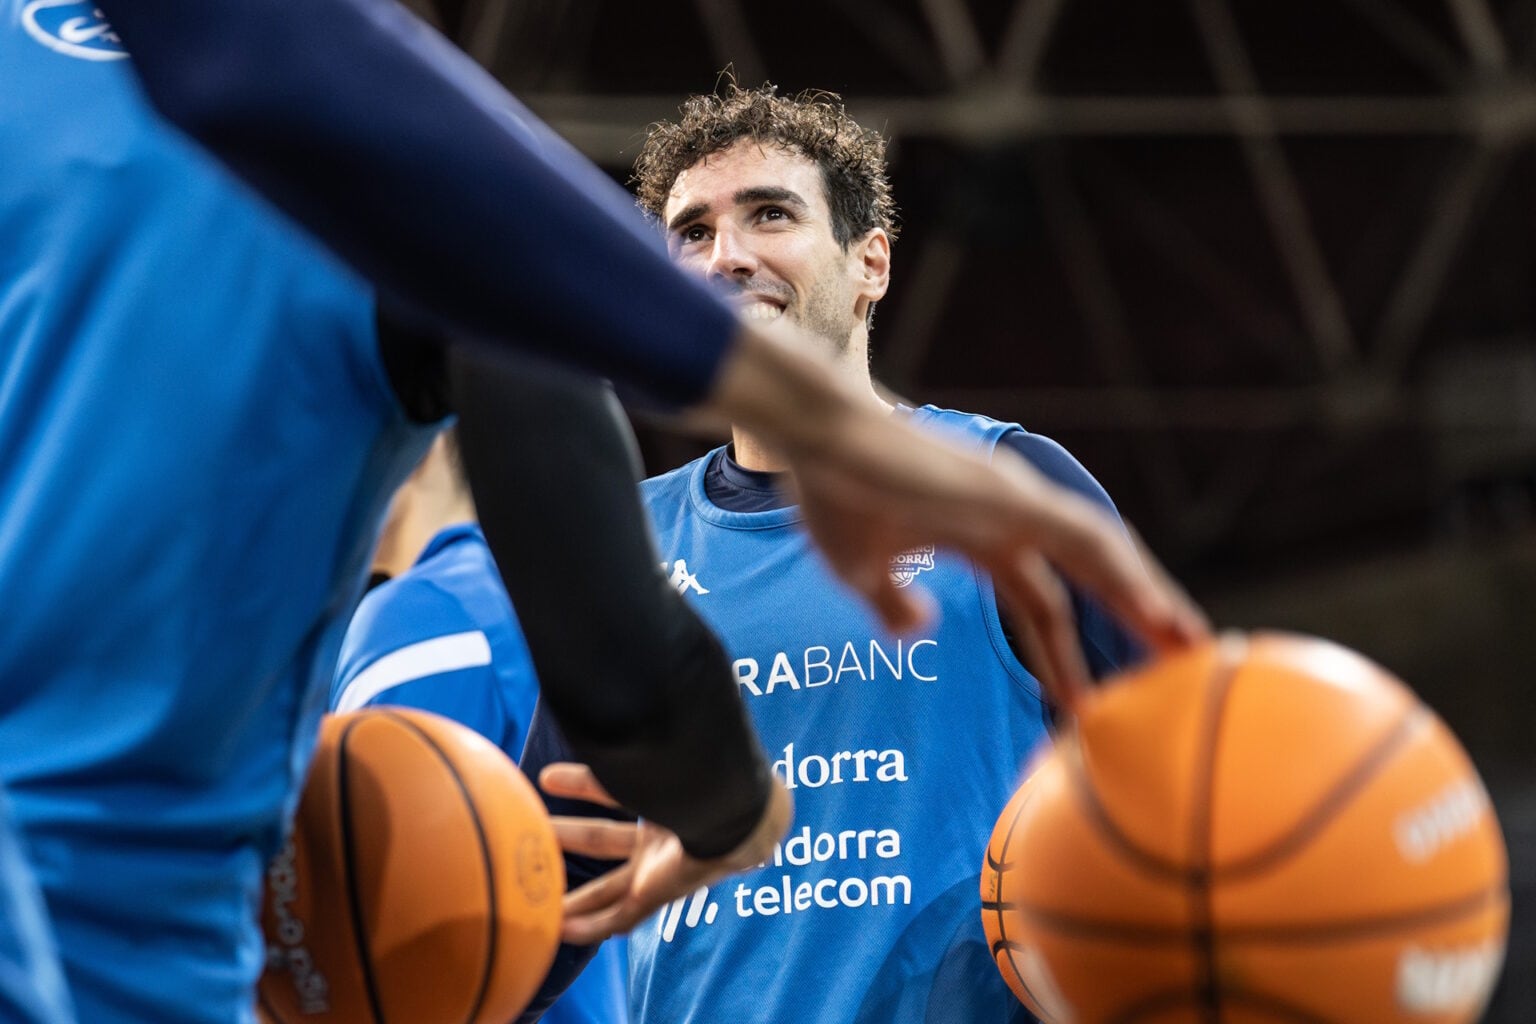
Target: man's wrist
[(726, 837)]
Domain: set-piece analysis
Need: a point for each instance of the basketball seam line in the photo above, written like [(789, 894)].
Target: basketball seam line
[(1202, 934), (485, 857), (1002, 922), (1088, 798), (1281, 848), (1127, 932), (349, 858), (1334, 801)]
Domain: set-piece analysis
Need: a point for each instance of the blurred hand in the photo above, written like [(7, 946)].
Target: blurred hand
[(656, 869), (872, 485)]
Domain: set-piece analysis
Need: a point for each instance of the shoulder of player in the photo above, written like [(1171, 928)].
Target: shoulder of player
[(672, 485), (406, 610), (1045, 454), (973, 423), (1057, 464)]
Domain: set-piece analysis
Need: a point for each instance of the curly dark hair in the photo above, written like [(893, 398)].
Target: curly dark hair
[(813, 123)]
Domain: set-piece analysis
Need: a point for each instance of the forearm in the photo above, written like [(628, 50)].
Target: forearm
[(419, 170), (768, 386), (638, 684)]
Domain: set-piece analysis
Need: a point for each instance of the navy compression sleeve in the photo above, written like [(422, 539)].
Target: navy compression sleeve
[(639, 685), (423, 173)]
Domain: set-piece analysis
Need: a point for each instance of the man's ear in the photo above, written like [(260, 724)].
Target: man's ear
[(873, 252)]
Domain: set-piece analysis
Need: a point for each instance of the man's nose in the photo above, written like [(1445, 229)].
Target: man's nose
[(731, 257)]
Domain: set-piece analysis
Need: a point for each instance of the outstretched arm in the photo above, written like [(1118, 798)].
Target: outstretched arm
[(417, 168), (420, 170)]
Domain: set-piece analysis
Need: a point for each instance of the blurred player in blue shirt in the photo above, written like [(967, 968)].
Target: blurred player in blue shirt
[(200, 423), (440, 634)]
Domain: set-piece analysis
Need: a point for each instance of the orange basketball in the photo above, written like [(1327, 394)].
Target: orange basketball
[(1261, 830), (422, 882)]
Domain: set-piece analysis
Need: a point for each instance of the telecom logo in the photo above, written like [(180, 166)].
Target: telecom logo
[(906, 566), (689, 911), (72, 28)]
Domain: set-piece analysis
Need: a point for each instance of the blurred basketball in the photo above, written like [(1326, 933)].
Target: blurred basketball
[(1260, 830), (422, 883)]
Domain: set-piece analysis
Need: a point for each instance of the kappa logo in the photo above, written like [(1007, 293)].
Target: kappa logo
[(72, 28), (689, 910), (906, 566), (682, 579)]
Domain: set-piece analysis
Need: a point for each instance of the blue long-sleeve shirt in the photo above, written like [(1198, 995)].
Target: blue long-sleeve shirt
[(418, 169)]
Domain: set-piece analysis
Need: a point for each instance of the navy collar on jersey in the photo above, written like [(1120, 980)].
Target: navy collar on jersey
[(735, 488), (731, 486)]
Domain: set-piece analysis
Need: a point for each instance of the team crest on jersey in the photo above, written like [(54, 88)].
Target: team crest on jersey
[(906, 566), (72, 28)]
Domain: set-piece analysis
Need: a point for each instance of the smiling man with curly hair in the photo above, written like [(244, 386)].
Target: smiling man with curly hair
[(901, 750)]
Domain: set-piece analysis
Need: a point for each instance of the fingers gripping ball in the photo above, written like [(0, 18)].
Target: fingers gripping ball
[(1260, 830), (422, 882)]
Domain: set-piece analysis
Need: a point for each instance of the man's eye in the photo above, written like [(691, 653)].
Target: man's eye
[(773, 213), (694, 234)]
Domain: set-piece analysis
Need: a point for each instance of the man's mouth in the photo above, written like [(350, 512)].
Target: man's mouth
[(761, 309)]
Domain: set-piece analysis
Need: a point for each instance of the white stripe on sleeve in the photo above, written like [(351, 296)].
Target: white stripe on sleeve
[(428, 658)]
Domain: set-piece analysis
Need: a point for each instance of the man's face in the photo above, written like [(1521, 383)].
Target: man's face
[(755, 218)]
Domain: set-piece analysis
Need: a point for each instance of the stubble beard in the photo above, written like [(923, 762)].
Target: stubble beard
[(829, 318)]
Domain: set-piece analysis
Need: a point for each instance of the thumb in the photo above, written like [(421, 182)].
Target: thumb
[(574, 782)]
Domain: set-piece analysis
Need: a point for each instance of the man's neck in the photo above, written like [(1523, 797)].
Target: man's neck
[(412, 528), (751, 453)]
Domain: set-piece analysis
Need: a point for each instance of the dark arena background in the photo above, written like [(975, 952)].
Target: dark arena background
[(1268, 269)]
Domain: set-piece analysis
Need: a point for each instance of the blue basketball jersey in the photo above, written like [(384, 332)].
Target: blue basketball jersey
[(900, 751), (442, 637), (196, 442)]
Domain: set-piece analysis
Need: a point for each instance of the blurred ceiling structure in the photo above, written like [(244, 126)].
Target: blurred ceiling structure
[(1265, 268)]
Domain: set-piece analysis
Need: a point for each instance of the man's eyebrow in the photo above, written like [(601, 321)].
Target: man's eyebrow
[(770, 194), (755, 194), (687, 214)]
